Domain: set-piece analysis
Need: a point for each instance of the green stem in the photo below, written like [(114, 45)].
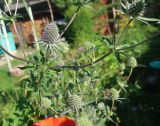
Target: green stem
[(77, 113), (117, 43), (130, 73), (15, 56), (135, 45), (115, 21), (81, 66), (65, 112), (54, 110), (113, 102), (70, 22)]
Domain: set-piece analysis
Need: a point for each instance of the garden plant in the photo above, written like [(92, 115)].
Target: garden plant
[(63, 88)]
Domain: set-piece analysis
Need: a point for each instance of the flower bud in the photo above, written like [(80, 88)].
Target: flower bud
[(74, 101), (132, 62), (45, 103)]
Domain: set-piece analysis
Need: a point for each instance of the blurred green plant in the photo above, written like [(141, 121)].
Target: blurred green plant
[(82, 28), (92, 82)]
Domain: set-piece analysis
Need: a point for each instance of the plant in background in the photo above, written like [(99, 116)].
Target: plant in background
[(74, 89), (62, 3), (81, 29)]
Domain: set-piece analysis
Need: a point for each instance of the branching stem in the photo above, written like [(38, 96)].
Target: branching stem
[(70, 22), (118, 41), (81, 66), (112, 107), (130, 73), (18, 58), (135, 45), (86, 65)]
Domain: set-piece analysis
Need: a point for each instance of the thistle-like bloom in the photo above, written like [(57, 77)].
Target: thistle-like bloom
[(101, 106), (74, 101), (52, 121), (51, 36), (115, 94), (135, 10), (45, 103), (132, 62)]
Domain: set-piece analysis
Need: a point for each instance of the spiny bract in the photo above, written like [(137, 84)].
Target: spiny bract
[(135, 10), (132, 62), (115, 93), (45, 103), (101, 106), (74, 101), (51, 35)]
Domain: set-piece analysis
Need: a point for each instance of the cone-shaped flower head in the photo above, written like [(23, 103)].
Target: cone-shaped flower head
[(101, 106), (51, 35), (74, 101), (45, 103), (136, 8), (132, 62), (115, 94)]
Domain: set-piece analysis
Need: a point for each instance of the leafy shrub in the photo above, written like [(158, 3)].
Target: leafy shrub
[(82, 28), (92, 82)]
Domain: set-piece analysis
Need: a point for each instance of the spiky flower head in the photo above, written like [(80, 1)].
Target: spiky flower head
[(74, 101), (45, 103), (101, 106), (132, 62), (136, 8), (51, 36), (91, 112), (115, 94)]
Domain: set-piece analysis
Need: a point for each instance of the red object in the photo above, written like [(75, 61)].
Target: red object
[(52, 121)]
